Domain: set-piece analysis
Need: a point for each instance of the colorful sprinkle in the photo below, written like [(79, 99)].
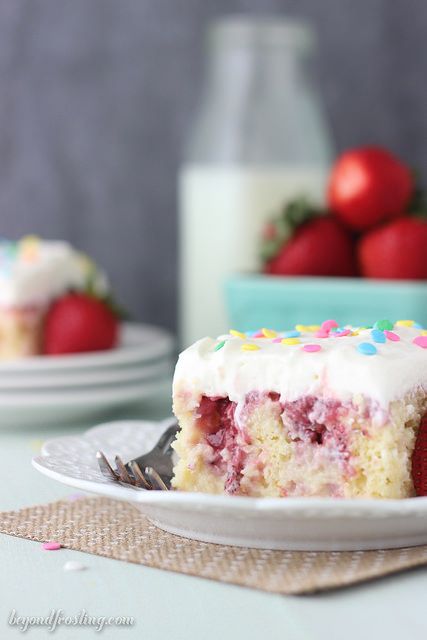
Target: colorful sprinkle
[(403, 323), (424, 332), (417, 325), (378, 336), (342, 333), (73, 497), (238, 334), (51, 546), (291, 341), (219, 345), (250, 347), (269, 333), (392, 336), (328, 325), (313, 327), (74, 565), (258, 334), (420, 341), (383, 324), (321, 334), (29, 248), (301, 327), (367, 349), (291, 334), (311, 348), (277, 340)]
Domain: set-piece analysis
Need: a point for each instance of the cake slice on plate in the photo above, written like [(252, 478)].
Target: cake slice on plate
[(33, 274), (316, 411)]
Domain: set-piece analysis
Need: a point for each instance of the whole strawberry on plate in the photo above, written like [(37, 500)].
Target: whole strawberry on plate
[(303, 241), (396, 250), (79, 322), (369, 185)]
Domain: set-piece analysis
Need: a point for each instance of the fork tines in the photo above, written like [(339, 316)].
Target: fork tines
[(147, 479)]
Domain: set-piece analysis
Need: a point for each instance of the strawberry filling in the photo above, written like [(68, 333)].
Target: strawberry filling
[(216, 420), (308, 422)]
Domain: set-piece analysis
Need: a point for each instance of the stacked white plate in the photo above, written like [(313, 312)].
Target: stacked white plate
[(72, 388)]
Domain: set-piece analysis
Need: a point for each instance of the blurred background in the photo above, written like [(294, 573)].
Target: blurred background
[(97, 98)]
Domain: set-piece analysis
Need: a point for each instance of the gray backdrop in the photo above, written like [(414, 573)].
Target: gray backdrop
[(96, 97)]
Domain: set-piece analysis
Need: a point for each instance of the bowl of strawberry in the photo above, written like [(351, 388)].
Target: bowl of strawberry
[(361, 257)]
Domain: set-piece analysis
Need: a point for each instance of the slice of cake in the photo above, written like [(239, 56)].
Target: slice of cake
[(316, 411), (33, 273)]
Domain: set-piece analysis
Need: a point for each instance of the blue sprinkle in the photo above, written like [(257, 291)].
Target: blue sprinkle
[(378, 336), (417, 325), (291, 334), (367, 349)]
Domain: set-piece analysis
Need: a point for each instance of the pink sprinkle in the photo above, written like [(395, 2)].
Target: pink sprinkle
[(321, 334), (311, 348), (392, 336), (327, 325), (51, 546), (259, 334), (341, 334), (420, 341), (276, 340)]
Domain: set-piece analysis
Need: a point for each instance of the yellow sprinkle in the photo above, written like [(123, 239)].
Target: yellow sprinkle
[(354, 333), (313, 327), (238, 334), (33, 239), (268, 333), (404, 323), (424, 332), (29, 248), (250, 347), (301, 327), (291, 340)]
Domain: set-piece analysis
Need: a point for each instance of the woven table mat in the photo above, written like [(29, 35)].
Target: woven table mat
[(117, 530)]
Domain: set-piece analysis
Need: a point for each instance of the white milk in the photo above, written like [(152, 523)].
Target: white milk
[(222, 213)]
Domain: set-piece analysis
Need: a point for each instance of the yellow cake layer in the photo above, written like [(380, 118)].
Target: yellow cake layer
[(20, 332), (378, 450)]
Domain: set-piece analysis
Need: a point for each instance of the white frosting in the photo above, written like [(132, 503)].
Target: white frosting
[(36, 271), (338, 370)]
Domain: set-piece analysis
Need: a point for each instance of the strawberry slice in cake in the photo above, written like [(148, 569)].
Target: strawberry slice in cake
[(315, 411)]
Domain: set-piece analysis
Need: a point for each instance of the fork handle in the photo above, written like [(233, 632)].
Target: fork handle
[(168, 437)]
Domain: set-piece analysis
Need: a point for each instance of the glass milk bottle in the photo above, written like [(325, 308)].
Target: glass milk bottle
[(259, 139)]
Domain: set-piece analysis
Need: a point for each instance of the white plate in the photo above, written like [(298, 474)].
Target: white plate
[(72, 407), (91, 377), (265, 523), (138, 343)]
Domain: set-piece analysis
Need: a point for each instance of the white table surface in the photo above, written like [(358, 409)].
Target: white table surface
[(169, 606)]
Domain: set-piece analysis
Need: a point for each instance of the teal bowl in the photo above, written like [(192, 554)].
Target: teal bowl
[(255, 301)]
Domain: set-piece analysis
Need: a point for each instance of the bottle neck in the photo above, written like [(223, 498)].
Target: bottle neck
[(236, 71), (258, 105)]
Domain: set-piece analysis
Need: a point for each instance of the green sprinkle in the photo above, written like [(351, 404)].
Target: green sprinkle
[(219, 345), (383, 325)]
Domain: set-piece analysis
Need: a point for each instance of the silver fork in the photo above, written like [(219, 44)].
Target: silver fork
[(151, 471)]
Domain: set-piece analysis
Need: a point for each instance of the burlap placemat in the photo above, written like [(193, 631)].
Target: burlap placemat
[(117, 530)]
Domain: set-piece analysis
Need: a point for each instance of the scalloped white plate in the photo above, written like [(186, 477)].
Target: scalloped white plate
[(265, 523)]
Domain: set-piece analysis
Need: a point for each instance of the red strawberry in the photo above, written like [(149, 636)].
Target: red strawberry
[(419, 460), (319, 247), (397, 250), (77, 323), (368, 185)]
